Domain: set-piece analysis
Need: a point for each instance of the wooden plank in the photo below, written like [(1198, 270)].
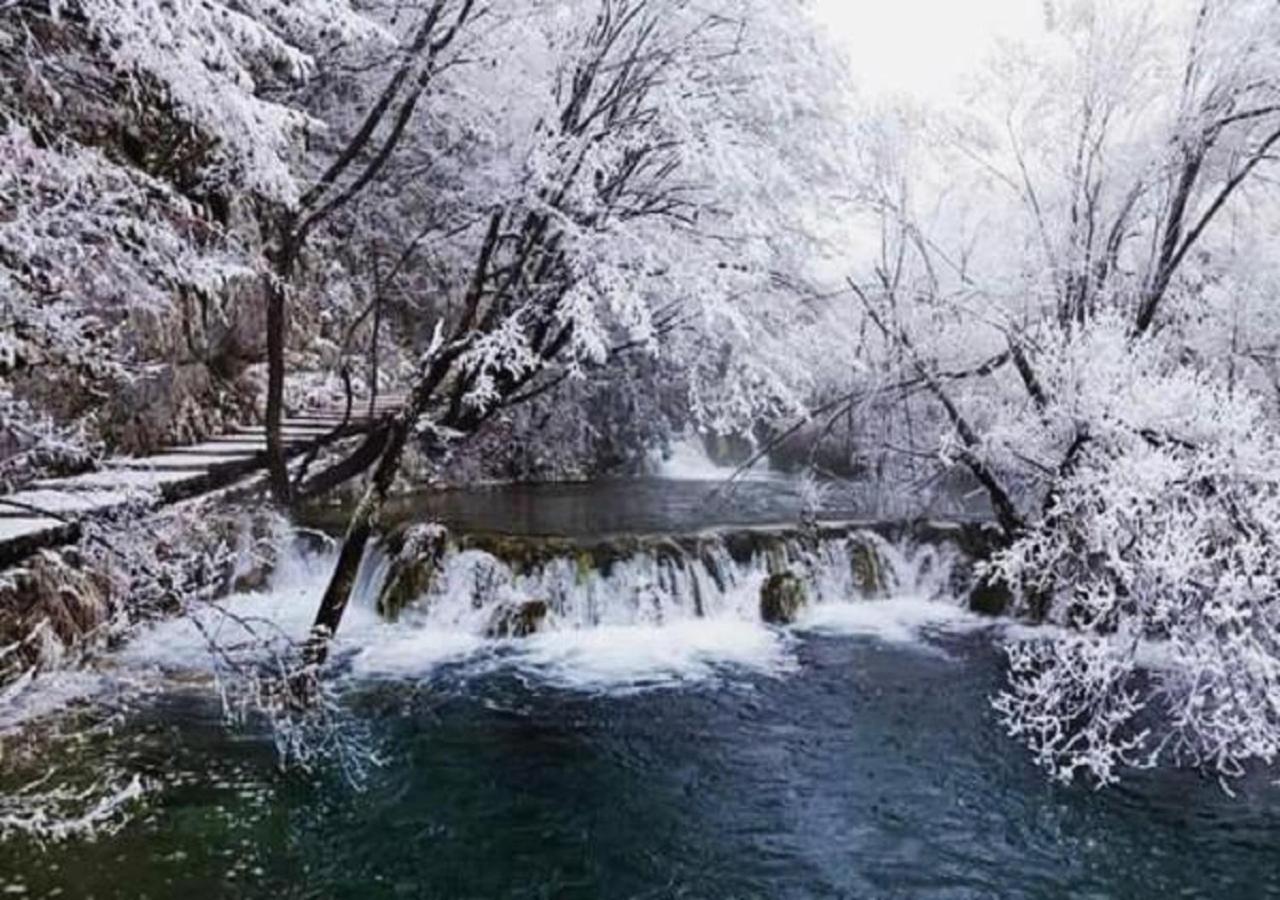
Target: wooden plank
[(27, 526), (220, 448), (169, 486), (24, 504), (288, 431), (183, 461), (19, 538), (175, 473), (259, 439)]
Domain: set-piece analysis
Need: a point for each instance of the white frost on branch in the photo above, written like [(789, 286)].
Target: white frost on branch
[(61, 812), (1156, 551), (210, 58)]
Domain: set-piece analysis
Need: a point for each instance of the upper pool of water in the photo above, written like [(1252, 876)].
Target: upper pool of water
[(649, 505)]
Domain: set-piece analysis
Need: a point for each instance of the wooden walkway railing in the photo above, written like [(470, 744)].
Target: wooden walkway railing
[(48, 513)]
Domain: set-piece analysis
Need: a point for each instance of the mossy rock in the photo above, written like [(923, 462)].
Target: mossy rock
[(405, 584), (521, 554), (748, 544), (584, 564), (311, 542), (991, 597), (254, 579), (57, 595), (775, 555), (417, 556), (727, 449), (517, 620), (782, 597), (868, 569), (527, 553)]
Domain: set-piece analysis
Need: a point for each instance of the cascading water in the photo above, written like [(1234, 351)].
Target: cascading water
[(469, 584), (641, 611), (604, 613)]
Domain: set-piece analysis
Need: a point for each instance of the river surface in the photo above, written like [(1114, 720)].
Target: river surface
[(853, 755), (653, 505)]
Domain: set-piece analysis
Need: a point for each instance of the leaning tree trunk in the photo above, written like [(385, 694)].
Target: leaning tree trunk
[(284, 259), (338, 594), (277, 469)]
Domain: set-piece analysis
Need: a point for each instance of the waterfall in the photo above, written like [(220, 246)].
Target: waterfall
[(688, 460), (504, 586), (609, 613)]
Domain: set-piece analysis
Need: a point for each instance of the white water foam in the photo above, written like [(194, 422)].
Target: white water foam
[(692, 651), (32, 697), (608, 658), (269, 618), (688, 461), (650, 621), (903, 619), (407, 652)]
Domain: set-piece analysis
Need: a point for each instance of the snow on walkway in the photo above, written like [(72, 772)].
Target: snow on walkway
[(48, 512)]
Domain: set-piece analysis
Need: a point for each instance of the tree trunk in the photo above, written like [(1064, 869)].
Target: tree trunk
[(357, 463), (283, 260), (277, 469), (338, 594), (373, 349)]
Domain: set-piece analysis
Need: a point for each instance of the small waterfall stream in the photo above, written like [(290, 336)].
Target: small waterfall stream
[(504, 586), (611, 612)]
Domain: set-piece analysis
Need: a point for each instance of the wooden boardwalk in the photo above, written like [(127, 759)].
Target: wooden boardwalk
[(49, 512)]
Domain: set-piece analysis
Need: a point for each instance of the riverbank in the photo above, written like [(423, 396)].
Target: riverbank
[(84, 558)]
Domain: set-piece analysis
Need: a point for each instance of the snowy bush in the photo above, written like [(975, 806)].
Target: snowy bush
[(1154, 553)]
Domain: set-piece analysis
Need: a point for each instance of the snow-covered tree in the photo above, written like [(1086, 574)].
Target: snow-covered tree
[(629, 189), (138, 139), (1078, 317), (1153, 553)]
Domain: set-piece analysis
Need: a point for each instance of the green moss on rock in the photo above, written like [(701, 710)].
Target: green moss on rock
[(517, 620), (404, 585), (782, 597), (868, 569), (417, 556)]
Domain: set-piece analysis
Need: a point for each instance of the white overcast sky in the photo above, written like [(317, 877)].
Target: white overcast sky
[(923, 47)]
